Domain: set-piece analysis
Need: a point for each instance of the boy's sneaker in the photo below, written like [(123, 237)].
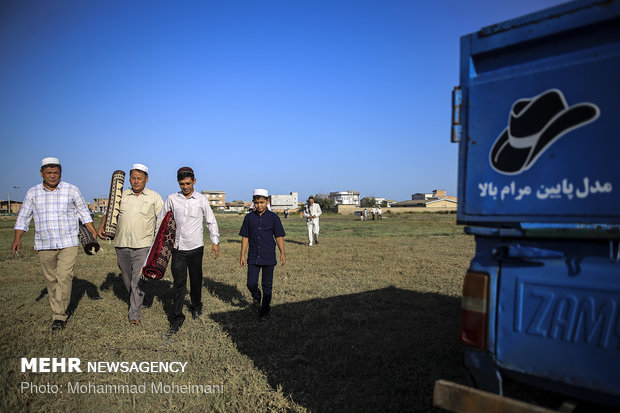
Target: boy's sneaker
[(256, 305)]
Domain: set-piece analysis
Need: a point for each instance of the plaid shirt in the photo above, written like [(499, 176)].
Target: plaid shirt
[(55, 215)]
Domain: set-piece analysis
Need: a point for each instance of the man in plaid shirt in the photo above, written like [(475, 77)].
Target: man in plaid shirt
[(55, 207)]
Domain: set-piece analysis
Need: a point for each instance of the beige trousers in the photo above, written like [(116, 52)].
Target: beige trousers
[(57, 267)]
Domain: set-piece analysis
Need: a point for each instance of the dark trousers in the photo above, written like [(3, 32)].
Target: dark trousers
[(182, 262), (266, 283)]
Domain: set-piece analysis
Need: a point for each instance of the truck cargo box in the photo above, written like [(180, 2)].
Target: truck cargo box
[(537, 116)]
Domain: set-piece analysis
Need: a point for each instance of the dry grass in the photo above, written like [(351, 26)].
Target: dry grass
[(367, 320)]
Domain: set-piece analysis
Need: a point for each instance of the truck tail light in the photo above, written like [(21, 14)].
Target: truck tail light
[(474, 317)]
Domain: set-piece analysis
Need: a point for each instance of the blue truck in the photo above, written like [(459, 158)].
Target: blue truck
[(537, 119)]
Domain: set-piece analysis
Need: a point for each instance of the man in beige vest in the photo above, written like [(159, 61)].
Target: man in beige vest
[(135, 230)]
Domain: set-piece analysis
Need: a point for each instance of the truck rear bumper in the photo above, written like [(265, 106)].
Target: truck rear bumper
[(488, 377), (464, 399)]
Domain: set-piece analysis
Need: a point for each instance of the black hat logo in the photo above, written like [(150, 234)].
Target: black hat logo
[(533, 126)]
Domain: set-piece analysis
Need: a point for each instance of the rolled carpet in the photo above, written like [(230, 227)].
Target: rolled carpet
[(89, 243), (114, 204), (161, 250)]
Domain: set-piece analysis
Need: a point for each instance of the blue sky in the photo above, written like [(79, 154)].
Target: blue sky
[(308, 96)]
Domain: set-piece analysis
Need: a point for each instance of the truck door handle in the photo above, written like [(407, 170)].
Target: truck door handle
[(457, 127), (518, 252)]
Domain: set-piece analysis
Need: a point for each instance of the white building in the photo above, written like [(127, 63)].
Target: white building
[(236, 206), (437, 193), (421, 196), (369, 199), (345, 198), (280, 202)]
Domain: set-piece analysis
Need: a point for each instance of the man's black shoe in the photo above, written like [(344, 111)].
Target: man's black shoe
[(174, 328), (264, 314), (58, 325), (196, 314), (256, 305)]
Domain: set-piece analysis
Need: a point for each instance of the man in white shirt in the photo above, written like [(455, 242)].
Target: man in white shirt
[(56, 207), (137, 221), (312, 213), (189, 209)]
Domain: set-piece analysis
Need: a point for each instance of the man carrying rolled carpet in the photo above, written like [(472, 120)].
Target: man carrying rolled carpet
[(135, 230), (189, 208), (56, 207)]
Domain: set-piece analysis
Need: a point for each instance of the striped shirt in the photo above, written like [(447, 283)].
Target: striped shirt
[(55, 215)]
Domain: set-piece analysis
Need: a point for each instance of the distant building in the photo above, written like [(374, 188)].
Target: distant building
[(217, 199), (368, 200), (443, 203), (436, 199), (236, 206), (378, 200), (436, 194), (15, 207), (421, 196), (100, 205), (280, 202), (345, 198)]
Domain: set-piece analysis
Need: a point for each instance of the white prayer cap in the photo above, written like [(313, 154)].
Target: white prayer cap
[(50, 161), (261, 192), (140, 167)]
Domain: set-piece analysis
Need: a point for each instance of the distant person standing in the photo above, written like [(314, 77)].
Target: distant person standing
[(286, 212), (373, 211), (365, 214), (189, 209), (137, 221), (56, 207), (379, 213), (312, 213)]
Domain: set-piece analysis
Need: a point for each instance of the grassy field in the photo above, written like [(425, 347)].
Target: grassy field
[(365, 321)]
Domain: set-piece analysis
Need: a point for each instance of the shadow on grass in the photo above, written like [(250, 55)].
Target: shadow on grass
[(292, 241), (115, 282), (380, 350), (160, 289), (79, 287), (225, 292)]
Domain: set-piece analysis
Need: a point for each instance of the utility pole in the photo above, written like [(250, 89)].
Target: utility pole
[(15, 188)]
